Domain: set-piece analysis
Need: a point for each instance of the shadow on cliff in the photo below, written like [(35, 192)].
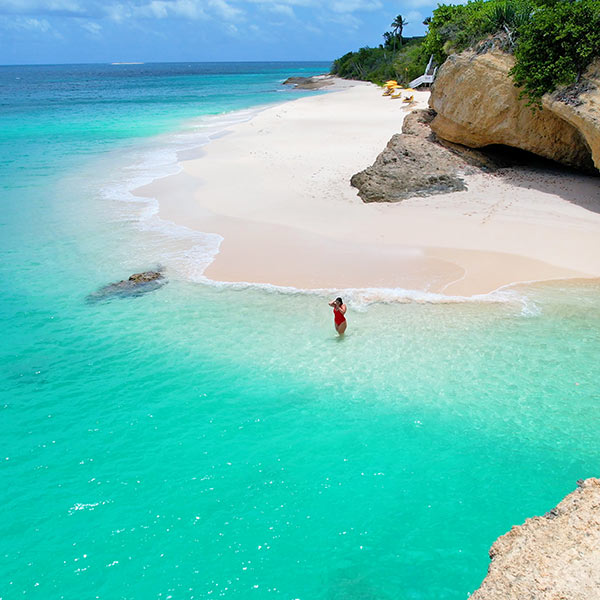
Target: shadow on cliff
[(530, 171)]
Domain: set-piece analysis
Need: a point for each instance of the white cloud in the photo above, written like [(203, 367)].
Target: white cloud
[(117, 12), (346, 20), (154, 9), (20, 24), (41, 7), (312, 29), (282, 9), (225, 10), (323, 16), (34, 25), (414, 17), (92, 28), (120, 10), (158, 9), (423, 4), (179, 9), (351, 6), (284, 2), (338, 6)]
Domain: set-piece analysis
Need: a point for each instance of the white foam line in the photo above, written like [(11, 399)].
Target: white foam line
[(361, 298)]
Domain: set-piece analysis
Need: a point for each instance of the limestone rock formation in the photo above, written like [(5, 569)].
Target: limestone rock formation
[(411, 164), (478, 105), (136, 285), (579, 105), (554, 557)]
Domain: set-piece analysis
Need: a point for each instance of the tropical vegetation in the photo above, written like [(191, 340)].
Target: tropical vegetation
[(556, 47), (397, 58), (553, 42)]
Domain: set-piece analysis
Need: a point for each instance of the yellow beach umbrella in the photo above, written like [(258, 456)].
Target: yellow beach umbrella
[(391, 82)]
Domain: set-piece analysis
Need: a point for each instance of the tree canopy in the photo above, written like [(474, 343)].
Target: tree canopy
[(553, 41)]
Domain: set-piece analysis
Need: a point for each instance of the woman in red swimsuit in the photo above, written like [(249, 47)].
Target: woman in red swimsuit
[(339, 320)]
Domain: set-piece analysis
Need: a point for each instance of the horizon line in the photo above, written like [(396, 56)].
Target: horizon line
[(154, 62)]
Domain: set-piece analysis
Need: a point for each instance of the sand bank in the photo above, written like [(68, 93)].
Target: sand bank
[(277, 189)]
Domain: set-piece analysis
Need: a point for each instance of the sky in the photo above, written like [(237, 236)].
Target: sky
[(87, 31)]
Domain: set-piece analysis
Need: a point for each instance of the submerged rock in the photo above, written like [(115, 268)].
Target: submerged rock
[(554, 557), (477, 105), (136, 285)]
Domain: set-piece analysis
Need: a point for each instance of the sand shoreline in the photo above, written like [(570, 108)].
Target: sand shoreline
[(276, 188)]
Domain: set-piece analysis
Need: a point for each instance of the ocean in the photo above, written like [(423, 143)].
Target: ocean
[(206, 441)]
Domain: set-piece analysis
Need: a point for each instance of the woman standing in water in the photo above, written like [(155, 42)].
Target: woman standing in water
[(339, 320)]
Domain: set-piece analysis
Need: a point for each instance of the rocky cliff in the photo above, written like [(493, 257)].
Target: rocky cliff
[(478, 105), (554, 557)]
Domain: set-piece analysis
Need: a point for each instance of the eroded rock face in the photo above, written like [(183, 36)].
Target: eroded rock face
[(554, 557), (136, 285), (582, 110), (411, 164), (478, 105)]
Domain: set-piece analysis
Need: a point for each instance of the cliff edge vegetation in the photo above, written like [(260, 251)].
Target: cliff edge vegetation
[(553, 43)]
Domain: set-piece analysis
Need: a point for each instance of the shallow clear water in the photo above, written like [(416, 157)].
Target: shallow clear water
[(198, 441)]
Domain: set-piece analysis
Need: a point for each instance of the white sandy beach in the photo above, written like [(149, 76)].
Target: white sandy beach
[(277, 188)]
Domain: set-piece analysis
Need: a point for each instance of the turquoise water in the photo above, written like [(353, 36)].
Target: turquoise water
[(202, 442)]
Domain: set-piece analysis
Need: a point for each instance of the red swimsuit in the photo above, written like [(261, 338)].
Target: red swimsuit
[(338, 316)]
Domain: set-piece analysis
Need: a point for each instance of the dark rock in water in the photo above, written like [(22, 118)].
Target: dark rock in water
[(136, 285), (316, 82), (144, 277)]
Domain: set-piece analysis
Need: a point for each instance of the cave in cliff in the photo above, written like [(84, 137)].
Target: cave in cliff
[(509, 156)]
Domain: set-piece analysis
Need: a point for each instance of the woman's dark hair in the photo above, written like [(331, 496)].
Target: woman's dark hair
[(339, 300)]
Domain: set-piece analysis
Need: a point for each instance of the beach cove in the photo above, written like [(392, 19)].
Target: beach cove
[(212, 440), (276, 189)]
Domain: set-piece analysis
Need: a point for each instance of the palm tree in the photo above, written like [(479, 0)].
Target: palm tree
[(388, 39), (397, 27)]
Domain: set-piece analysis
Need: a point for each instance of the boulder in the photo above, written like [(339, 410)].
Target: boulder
[(478, 105), (136, 285), (412, 164), (554, 557), (316, 82)]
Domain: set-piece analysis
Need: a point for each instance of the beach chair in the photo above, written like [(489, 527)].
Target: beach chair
[(391, 89), (408, 99)]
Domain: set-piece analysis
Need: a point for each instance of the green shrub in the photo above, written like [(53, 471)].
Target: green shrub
[(368, 64), (509, 14), (456, 28), (556, 46), (375, 64), (410, 63)]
